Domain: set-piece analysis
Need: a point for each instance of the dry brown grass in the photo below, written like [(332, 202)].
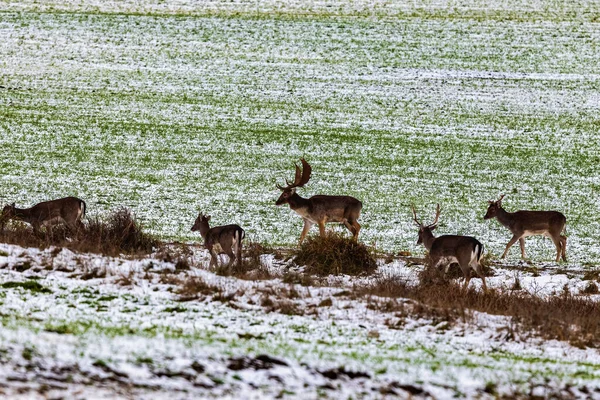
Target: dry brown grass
[(195, 287), (335, 254), (251, 266), (118, 233), (575, 319)]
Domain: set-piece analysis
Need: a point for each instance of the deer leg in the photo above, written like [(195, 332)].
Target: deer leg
[(509, 245), (238, 251), (307, 225), (354, 227), (214, 258), (479, 271), (467, 280), (563, 242), (322, 227), (558, 244), (522, 246)]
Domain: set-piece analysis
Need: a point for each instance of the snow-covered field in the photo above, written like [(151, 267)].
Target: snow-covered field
[(129, 332), (168, 107), (168, 114)]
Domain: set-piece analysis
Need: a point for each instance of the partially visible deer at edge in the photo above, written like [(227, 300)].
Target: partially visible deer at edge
[(227, 237), (68, 210), (446, 250), (529, 223), (320, 209)]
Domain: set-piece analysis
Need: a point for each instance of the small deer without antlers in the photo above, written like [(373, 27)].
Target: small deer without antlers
[(320, 209), (529, 223), (68, 210), (466, 251), (227, 237)]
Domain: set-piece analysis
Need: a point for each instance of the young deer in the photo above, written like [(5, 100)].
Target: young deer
[(227, 237), (446, 250), (68, 210), (529, 223), (320, 209)]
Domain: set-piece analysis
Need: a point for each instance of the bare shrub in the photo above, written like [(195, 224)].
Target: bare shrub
[(195, 287), (118, 233), (591, 288), (565, 317), (334, 254)]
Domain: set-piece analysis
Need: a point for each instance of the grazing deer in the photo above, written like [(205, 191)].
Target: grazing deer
[(530, 223), (319, 209), (68, 210), (466, 251), (227, 237)]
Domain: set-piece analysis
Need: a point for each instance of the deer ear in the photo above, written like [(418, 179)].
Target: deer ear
[(207, 218)]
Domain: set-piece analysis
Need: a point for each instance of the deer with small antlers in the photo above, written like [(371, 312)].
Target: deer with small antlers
[(320, 209), (226, 239), (68, 210), (446, 250), (529, 223)]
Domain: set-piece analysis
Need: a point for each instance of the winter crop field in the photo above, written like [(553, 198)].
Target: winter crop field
[(173, 107)]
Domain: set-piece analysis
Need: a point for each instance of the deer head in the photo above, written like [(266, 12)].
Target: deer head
[(493, 208), (201, 223), (301, 178), (425, 230), (8, 211)]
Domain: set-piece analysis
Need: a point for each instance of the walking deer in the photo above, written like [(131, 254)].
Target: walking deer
[(529, 223), (320, 209), (227, 237), (446, 250), (68, 210)]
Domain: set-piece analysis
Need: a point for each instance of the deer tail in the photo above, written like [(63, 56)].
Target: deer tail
[(479, 250)]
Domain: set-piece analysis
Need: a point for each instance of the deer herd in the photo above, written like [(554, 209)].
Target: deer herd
[(445, 250)]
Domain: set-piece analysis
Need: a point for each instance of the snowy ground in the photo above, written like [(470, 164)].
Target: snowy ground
[(167, 107), (129, 332)]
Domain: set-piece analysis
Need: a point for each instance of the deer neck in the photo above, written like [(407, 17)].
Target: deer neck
[(428, 239), (203, 229), (504, 217), (298, 202), (23, 214)]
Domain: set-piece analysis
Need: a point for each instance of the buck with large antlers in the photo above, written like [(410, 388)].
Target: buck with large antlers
[(446, 250), (226, 239), (320, 209), (68, 210), (529, 223)]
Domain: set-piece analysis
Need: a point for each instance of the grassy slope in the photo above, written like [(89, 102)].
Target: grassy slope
[(166, 114)]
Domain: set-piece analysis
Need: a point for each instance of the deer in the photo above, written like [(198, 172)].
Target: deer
[(529, 223), (227, 237), (319, 209), (68, 210), (466, 251)]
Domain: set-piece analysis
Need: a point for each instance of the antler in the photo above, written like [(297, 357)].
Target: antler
[(415, 216), (301, 178), (437, 215)]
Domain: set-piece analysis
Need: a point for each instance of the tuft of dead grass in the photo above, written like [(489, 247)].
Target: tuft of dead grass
[(194, 287), (334, 254), (118, 233), (566, 317)]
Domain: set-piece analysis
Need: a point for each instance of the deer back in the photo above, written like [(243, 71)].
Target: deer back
[(335, 208), (456, 246), (533, 221), (224, 233), (69, 209)]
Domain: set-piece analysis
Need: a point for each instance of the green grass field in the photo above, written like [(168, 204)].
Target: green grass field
[(172, 111)]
